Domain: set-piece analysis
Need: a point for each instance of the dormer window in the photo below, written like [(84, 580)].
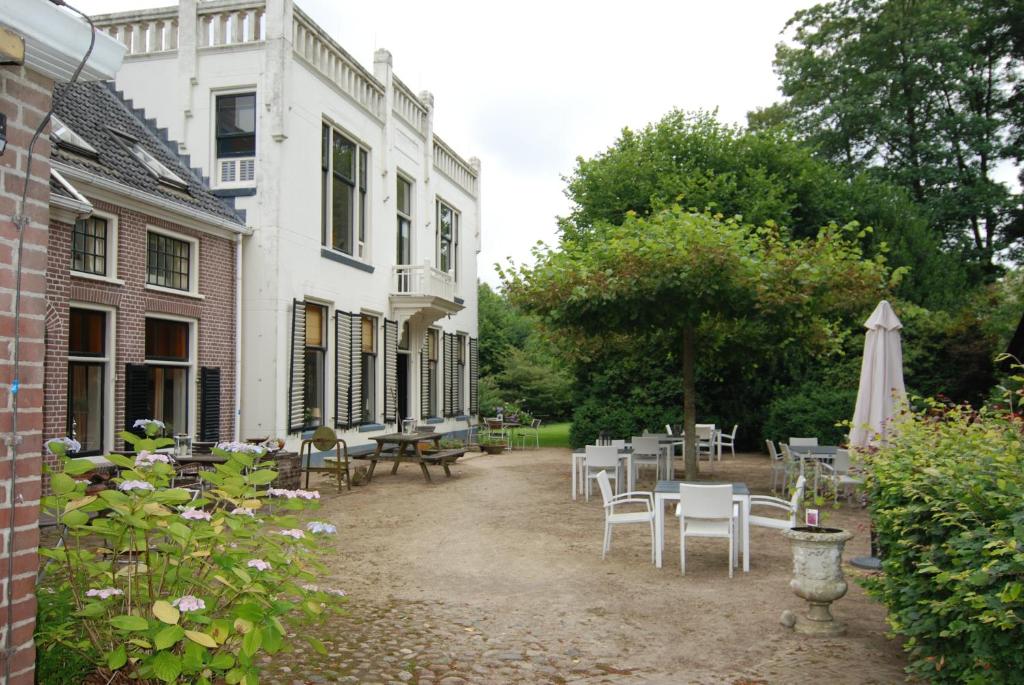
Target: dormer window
[(68, 139), (153, 165), (236, 139)]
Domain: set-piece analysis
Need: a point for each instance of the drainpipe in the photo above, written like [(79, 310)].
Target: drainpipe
[(238, 336)]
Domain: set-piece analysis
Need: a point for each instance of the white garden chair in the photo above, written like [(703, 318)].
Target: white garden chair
[(706, 444), (600, 459), (707, 511), (531, 432), (838, 473), (803, 442), (612, 517), (791, 508), (647, 451), (778, 464), (728, 441)]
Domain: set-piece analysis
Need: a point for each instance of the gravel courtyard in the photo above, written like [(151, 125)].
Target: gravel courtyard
[(495, 576)]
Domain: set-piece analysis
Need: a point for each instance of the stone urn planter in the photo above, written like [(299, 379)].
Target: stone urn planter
[(817, 578)]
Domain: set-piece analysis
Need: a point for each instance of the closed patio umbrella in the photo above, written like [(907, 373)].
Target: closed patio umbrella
[(881, 377)]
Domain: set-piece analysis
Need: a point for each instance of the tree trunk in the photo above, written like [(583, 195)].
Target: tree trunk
[(689, 404)]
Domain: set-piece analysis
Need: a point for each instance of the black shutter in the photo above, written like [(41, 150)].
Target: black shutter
[(342, 370), (425, 385), (356, 360), (136, 395), (209, 404), (449, 376), (297, 369), (390, 371), (474, 377)]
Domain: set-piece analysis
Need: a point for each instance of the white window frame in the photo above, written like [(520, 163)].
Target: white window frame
[(361, 248), (378, 365), (193, 263), (109, 358), (192, 364), (112, 236), (453, 271), (410, 217), (215, 160)]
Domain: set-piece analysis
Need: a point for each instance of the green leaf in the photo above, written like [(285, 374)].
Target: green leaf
[(61, 483), (317, 645), (76, 467), (222, 661), (117, 658), (92, 610), (129, 622), (76, 518), (121, 460), (165, 612), (79, 503), (168, 636), (192, 659), (201, 638), (251, 642), (166, 666)]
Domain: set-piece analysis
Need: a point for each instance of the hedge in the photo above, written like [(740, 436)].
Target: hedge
[(947, 502)]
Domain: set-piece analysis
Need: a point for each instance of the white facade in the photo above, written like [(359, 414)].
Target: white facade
[(181, 59)]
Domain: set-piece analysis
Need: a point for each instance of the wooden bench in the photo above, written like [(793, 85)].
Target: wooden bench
[(443, 458)]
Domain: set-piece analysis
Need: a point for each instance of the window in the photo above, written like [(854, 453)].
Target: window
[(447, 239), (316, 353), (87, 372), (168, 262), (69, 140), (460, 373), (154, 166), (343, 166), (236, 138), (432, 371), (404, 255), (89, 246), (168, 362), (369, 337)]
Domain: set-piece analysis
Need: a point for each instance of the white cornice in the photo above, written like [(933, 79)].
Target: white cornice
[(103, 188), (56, 41)]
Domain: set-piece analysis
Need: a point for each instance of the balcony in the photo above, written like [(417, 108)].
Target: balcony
[(422, 294)]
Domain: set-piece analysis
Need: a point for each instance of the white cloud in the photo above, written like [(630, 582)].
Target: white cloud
[(529, 86)]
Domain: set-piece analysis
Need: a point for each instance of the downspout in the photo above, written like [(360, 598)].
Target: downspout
[(238, 336)]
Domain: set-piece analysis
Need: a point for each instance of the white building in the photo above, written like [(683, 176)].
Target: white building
[(358, 302)]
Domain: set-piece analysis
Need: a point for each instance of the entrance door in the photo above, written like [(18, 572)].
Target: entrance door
[(403, 385)]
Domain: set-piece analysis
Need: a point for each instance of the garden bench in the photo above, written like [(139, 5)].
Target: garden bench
[(407, 448)]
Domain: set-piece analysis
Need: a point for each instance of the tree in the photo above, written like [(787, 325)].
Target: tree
[(695, 276), (919, 93)]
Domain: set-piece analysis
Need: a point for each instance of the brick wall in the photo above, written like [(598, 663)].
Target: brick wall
[(215, 312), (24, 97)]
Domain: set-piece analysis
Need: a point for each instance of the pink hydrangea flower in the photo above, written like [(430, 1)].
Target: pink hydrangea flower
[(129, 485), (321, 527), (307, 494), (196, 515), (281, 492), (258, 564), (145, 458), (329, 590), (293, 533), (243, 511), (104, 593), (189, 603)]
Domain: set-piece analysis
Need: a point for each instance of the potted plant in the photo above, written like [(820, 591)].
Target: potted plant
[(492, 445)]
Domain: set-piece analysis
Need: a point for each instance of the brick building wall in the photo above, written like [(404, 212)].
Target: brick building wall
[(24, 98), (133, 302)]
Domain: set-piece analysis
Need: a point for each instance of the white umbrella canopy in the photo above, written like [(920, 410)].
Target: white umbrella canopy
[(881, 377)]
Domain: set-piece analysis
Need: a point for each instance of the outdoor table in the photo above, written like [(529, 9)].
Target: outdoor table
[(824, 453), (579, 459), (408, 449), (668, 491)]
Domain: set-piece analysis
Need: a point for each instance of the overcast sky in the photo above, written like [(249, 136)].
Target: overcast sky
[(529, 86)]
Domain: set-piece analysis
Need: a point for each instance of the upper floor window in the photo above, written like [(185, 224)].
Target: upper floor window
[(169, 262), (447, 239), (89, 246), (404, 204), (343, 165), (236, 138)]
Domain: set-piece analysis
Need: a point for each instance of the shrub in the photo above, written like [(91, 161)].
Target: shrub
[(945, 497), (811, 409), (169, 588)]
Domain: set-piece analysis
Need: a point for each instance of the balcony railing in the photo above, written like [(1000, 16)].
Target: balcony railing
[(423, 280)]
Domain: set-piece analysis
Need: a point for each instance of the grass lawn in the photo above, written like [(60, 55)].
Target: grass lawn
[(555, 435)]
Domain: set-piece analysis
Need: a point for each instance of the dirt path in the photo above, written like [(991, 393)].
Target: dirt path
[(505, 570)]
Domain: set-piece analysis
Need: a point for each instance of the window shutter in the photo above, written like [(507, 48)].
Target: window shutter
[(424, 382), (209, 404), (355, 416), (297, 371), (449, 376), (136, 395), (390, 371), (342, 369), (474, 377)]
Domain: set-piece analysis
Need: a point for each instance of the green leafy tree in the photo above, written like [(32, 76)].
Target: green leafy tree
[(695, 277), (919, 93)]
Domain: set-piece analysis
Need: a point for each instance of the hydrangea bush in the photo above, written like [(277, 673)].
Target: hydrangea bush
[(174, 587)]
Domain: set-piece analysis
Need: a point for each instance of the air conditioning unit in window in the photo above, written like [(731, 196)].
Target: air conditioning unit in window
[(236, 171)]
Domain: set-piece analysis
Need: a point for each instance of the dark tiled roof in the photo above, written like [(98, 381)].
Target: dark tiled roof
[(91, 110)]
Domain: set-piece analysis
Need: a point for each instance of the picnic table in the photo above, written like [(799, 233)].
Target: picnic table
[(405, 447)]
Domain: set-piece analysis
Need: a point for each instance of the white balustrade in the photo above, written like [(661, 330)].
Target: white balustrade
[(409, 108), (219, 22), (453, 166), (423, 280)]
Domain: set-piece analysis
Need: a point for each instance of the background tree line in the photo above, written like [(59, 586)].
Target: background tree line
[(895, 119)]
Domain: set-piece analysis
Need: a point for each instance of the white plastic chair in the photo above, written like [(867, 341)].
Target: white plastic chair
[(706, 441), (706, 511), (838, 473), (803, 442), (728, 441), (600, 459), (778, 464), (646, 452), (793, 467), (791, 508), (611, 517), (531, 431)]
